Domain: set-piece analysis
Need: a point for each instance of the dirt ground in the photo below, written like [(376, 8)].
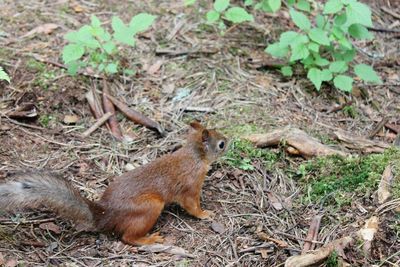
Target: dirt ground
[(228, 74)]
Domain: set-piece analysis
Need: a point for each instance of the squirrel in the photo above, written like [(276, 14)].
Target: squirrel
[(132, 203)]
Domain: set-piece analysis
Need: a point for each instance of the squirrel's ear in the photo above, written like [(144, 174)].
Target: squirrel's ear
[(205, 134), (196, 125)]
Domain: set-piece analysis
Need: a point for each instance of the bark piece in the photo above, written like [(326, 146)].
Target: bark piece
[(367, 233), (385, 185), (312, 233), (96, 125), (360, 143), (300, 142)]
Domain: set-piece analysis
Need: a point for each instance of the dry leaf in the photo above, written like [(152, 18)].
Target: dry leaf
[(367, 233), (153, 69), (70, 119), (11, 263), (78, 8), (274, 201), (51, 227), (263, 252), (218, 227), (47, 28)]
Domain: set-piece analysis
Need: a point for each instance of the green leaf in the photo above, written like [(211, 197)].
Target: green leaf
[(291, 38), (141, 22), (72, 37), (238, 15), (313, 47), (189, 2), (72, 67), (343, 82), (326, 75), (248, 2), (4, 75), (277, 50), (72, 52), (303, 5), (299, 51), (109, 47), (367, 73), (333, 6), (340, 19), (319, 36), (358, 13), (287, 71), (212, 16), (95, 21), (338, 66), (221, 5), (347, 55), (320, 61), (320, 21), (111, 68), (315, 76), (275, 5), (129, 72), (300, 20), (308, 62), (122, 33), (345, 43), (358, 31)]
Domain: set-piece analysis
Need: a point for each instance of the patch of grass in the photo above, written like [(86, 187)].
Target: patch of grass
[(242, 154), (336, 178), (350, 111), (332, 260), (241, 129), (44, 76), (34, 65), (46, 120)]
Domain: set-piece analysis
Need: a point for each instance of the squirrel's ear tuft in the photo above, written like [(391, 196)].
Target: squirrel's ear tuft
[(196, 125), (205, 134)]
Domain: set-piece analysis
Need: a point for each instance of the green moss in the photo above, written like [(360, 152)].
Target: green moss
[(242, 154), (46, 120), (336, 177), (241, 129)]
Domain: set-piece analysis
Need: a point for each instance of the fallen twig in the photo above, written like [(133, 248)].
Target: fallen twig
[(199, 109), (96, 125), (160, 248), (378, 127), (109, 107), (302, 143), (360, 143), (315, 256), (136, 116)]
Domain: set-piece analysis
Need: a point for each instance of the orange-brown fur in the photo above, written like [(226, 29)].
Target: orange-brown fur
[(132, 203)]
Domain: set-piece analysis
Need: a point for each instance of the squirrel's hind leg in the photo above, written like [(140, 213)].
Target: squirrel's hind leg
[(141, 220)]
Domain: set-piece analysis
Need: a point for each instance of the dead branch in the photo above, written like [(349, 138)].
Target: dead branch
[(306, 145), (98, 123), (136, 116), (316, 256), (109, 107), (378, 127), (360, 143), (312, 233), (94, 104)]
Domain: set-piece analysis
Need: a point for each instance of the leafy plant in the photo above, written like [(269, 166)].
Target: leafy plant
[(223, 10), (324, 47), (92, 45), (4, 75)]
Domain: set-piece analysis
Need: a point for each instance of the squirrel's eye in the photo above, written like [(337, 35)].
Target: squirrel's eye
[(221, 144)]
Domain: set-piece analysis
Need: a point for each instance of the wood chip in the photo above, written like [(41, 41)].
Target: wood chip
[(51, 227), (384, 188), (217, 227)]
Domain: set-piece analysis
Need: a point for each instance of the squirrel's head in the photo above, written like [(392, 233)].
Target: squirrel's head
[(212, 143)]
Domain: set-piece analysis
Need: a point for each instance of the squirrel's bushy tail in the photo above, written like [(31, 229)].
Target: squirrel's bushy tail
[(33, 189)]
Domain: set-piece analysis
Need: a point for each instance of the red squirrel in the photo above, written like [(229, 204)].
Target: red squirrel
[(132, 203)]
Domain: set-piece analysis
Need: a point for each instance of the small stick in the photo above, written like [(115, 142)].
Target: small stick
[(199, 109), (378, 127), (98, 123), (109, 107), (136, 116)]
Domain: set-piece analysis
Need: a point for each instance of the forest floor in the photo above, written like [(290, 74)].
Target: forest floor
[(264, 199)]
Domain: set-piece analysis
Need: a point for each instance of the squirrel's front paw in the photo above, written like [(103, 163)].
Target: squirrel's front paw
[(206, 214)]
